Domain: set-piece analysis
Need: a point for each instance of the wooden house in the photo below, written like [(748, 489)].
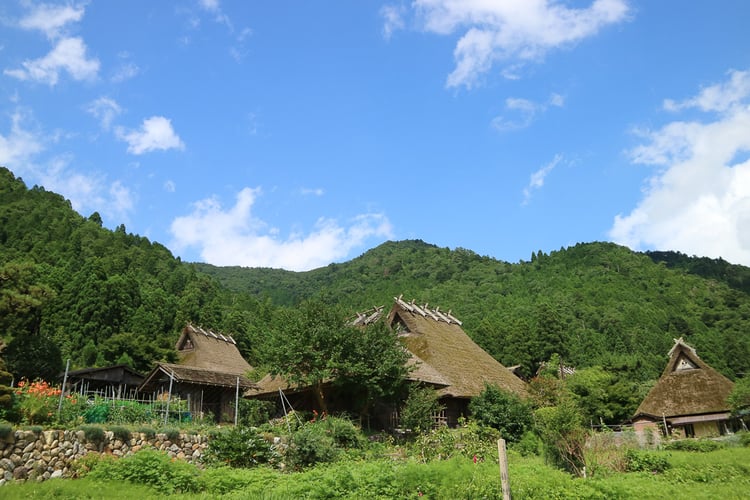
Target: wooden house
[(688, 400), (208, 374), (442, 356), (117, 381), (447, 358)]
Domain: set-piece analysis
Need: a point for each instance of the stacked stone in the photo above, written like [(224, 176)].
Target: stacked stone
[(28, 455)]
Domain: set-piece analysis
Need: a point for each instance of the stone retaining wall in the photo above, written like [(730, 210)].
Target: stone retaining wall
[(49, 454)]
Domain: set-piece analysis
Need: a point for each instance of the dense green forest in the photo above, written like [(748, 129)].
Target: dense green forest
[(70, 288)]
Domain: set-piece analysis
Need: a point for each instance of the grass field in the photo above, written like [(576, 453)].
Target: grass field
[(724, 474)]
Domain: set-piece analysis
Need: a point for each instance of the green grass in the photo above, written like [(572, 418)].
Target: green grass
[(723, 473)]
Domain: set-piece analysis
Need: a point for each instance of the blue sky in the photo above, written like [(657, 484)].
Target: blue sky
[(295, 134)]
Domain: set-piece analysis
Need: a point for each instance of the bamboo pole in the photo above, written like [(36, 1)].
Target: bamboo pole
[(503, 461), (62, 391), (237, 402)]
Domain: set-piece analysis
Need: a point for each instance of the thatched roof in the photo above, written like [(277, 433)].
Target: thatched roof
[(201, 348), (191, 375), (205, 358), (688, 386), (441, 354), (441, 347)]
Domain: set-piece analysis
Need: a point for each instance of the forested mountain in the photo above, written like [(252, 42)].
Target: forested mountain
[(594, 303), (101, 296)]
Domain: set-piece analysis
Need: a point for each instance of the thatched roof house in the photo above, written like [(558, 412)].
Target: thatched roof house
[(690, 397), (442, 355), (209, 370), (440, 346)]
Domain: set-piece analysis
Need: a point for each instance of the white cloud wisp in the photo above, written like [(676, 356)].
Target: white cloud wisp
[(511, 31), (69, 55), (234, 236), (699, 200)]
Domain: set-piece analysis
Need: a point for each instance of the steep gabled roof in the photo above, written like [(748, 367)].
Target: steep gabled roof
[(202, 348), (205, 358), (688, 386), (440, 346)]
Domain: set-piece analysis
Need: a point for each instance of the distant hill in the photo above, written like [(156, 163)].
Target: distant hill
[(104, 296)]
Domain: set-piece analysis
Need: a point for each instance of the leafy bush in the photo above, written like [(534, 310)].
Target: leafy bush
[(419, 409), (240, 447), (563, 435), (254, 412), (121, 433), (152, 468), (171, 433), (529, 444), (473, 441), (344, 433), (93, 433), (130, 412), (502, 410), (701, 446), (744, 438), (5, 430), (645, 461), (97, 412), (310, 444)]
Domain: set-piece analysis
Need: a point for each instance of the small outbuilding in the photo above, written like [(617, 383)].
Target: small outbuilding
[(688, 400), (118, 381), (209, 373)]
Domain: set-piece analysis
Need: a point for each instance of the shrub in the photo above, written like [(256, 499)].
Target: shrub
[(473, 442), (149, 432), (563, 435), (93, 433), (744, 438), (701, 446), (310, 444), (254, 412), (120, 433), (171, 433), (502, 410), (418, 412), (240, 447), (97, 412), (344, 433), (645, 461), (130, 412), (5, 430), (528, 445), (152, 468)]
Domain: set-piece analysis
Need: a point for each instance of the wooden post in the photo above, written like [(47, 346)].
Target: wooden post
[(503, 460)]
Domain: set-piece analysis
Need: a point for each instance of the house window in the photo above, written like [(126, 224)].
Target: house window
[(689, 430), (188, 344)]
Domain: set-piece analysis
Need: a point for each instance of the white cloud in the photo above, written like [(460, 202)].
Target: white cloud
[(156, 133), (20, 145), (68, 55), (522, 112), (125, 71), (393, 19), (235, 237), (536, 181), (169, 186), (21, 151), (51, 19), (698, 202), (511, 31), (105, 110)]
